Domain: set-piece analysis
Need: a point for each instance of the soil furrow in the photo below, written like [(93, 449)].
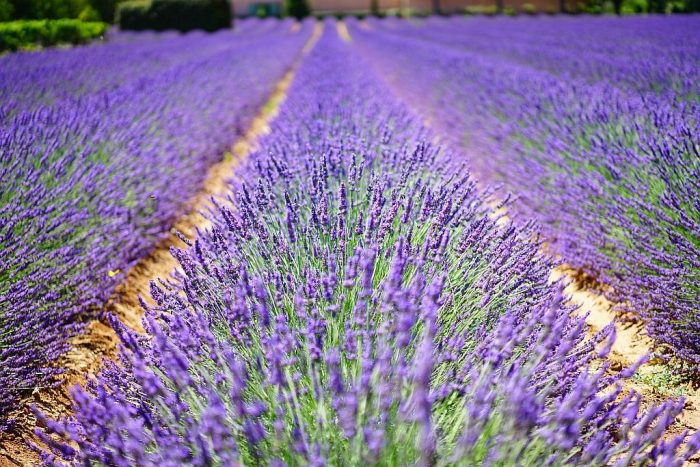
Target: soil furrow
[(100, 341), (654, 380)]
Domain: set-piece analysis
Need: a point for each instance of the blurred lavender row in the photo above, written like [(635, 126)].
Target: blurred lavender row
[(354, 303), (100, 148), (593, 124)]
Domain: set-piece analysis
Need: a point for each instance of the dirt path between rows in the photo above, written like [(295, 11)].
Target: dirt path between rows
[(654, 380), (343, 32), (100, 341)]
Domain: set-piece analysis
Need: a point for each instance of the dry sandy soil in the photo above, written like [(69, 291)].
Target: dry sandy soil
[(653, 379)]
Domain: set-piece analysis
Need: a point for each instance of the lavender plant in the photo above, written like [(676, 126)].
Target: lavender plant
[(353, 303), (84, 167), (28, 81), (603, 151)]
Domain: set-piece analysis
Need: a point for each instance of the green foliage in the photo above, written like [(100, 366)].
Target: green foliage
[(26, 34), (87, 10), (105, 8), (639, 6), (185, 15), (264, 10), (529, 9), (635, 6), (663, 380), (6, 10), (683, 6), (89, 14), (296, 8), (488, 10), (48, 9), (132, 15), (181, 15)]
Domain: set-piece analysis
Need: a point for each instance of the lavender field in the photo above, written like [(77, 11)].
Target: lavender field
[(376, 283)]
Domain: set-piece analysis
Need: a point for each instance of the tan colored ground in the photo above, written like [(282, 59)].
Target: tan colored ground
[(100, 341), (631, 343), (653, 379), (343, 31)]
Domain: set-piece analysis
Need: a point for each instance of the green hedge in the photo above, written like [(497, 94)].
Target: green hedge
[(181, 15), (133, 16), (298, 9), (27, 33)]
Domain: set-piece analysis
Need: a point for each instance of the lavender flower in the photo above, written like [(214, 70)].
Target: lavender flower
[(409, 366)]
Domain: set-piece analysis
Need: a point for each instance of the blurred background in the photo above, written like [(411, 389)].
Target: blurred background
[(109, 10), (31, 24)]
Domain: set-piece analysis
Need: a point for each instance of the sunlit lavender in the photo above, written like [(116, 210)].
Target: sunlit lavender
[(355, 301), (593, 124), (93, 142)]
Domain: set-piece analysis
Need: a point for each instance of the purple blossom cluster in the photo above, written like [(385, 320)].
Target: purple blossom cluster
[(92, 141), (593, 124), (355, 302)]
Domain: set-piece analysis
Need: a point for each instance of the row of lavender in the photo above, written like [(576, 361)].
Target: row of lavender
[(359, 306), (92, 141), (28, 81), (593, 123), (660, 54)]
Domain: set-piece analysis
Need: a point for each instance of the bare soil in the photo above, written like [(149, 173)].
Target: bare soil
[(631, 344), (100, 341), (343, 31)]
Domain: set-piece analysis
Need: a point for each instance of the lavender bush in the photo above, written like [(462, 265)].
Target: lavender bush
[(89, 151), (355, 303), (593, 123)]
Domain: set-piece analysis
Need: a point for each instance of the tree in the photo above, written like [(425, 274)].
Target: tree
[(49, 9), (105, 8), (617, 4), (436, 7), (657, 6), (6, 10), (296, 8)]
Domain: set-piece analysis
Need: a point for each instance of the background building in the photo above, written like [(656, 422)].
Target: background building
[(251, 7)]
